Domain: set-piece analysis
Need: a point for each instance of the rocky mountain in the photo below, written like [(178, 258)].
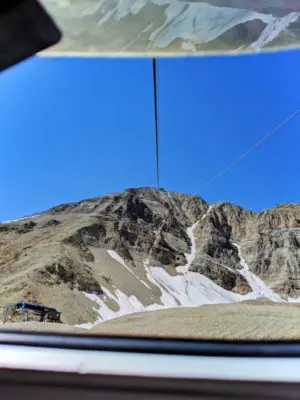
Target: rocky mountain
[(182, 26), (144, 249)]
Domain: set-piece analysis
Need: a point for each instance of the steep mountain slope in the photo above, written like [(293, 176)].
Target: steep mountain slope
[(143, 250)]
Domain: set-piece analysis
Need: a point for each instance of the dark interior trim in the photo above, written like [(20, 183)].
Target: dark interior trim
[(138, 384), (6, 6)]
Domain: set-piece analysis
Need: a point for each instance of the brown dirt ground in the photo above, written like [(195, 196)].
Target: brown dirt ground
[(253, 320)]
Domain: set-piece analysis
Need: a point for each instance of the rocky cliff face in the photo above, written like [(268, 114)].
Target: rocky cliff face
[(269, 240), (136, 250)]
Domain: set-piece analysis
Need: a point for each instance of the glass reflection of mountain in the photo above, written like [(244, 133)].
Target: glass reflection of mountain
[(175, 25)]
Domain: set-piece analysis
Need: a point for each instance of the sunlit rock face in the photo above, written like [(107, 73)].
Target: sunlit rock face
[(144, 249)]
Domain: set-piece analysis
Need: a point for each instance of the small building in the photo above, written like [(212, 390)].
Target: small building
[(46, 313)]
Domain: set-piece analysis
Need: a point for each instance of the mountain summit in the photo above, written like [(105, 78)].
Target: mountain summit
[(144, 249)]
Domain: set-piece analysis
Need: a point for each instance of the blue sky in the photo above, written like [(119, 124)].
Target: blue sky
[(78, 128)]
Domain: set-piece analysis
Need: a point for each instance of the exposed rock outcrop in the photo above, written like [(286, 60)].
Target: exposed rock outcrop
[(68, 246)]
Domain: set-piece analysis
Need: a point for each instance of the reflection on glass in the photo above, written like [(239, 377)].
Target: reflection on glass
[(175, 26)]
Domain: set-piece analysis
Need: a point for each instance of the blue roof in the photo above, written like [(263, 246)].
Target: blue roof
[(24, 304)]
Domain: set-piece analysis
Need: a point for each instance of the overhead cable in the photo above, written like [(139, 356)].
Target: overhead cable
[(255, 146), (156, 120)]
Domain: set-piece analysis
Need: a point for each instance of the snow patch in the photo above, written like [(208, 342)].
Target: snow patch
[(120, 260), (208, 211), (200, 22), (196, 22), (187, 289), (167, 300), (260, 289), (127, 305), (273, 29), (20, 219), (189, 256), (293, 300), (191, 289)]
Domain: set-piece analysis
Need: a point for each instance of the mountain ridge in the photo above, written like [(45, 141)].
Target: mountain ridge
[(143, 249)]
